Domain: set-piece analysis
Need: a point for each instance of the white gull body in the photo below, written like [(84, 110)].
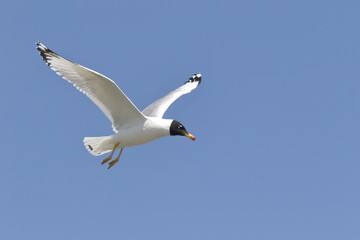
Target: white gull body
[(141, 133)]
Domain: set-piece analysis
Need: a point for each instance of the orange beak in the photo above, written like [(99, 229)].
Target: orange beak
[(190, 136)]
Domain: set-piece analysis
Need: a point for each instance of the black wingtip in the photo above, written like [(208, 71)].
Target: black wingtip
[(196, 77), (43, 51)]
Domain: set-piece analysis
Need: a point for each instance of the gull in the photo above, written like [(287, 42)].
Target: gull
[(131, 126)]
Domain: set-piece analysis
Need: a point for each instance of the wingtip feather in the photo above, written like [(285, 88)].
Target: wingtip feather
[(196, 77), (44, 52)]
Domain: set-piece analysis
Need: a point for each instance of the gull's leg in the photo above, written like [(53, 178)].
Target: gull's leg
[(109, 157), (113, 162)]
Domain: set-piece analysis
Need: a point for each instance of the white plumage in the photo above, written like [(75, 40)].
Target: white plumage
[(159, 107), (131, 126)]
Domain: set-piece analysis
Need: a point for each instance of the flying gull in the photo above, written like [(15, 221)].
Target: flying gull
[(131, 126)]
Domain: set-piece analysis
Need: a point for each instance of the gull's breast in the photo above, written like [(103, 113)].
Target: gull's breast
[(140, 134)]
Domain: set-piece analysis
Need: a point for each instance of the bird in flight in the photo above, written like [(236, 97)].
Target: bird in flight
[(131, 126)]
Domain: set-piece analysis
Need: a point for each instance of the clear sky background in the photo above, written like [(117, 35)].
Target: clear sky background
[(276, 119)]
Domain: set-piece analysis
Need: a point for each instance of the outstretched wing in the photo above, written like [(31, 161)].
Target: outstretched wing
[(158, 108), (101, 90)]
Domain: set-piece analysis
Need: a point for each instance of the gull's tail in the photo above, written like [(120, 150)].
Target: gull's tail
[(98, 145)]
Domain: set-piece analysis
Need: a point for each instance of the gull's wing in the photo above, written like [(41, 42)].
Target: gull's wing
[(158, 108), (100, 89)]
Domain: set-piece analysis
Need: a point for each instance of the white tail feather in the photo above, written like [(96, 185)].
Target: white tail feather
[(98, 145)]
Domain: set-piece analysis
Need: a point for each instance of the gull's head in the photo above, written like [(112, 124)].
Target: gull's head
[(177, 128)]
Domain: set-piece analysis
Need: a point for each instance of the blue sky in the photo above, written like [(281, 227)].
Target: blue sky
[(276, 119)]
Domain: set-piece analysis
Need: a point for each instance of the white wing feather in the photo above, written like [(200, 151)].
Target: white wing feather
[(159, 107), (101, 90)]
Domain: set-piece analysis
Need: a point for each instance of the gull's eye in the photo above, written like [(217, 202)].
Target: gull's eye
[(180, 127)]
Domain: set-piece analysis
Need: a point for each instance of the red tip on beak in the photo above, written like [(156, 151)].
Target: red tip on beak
[(190, 136)]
